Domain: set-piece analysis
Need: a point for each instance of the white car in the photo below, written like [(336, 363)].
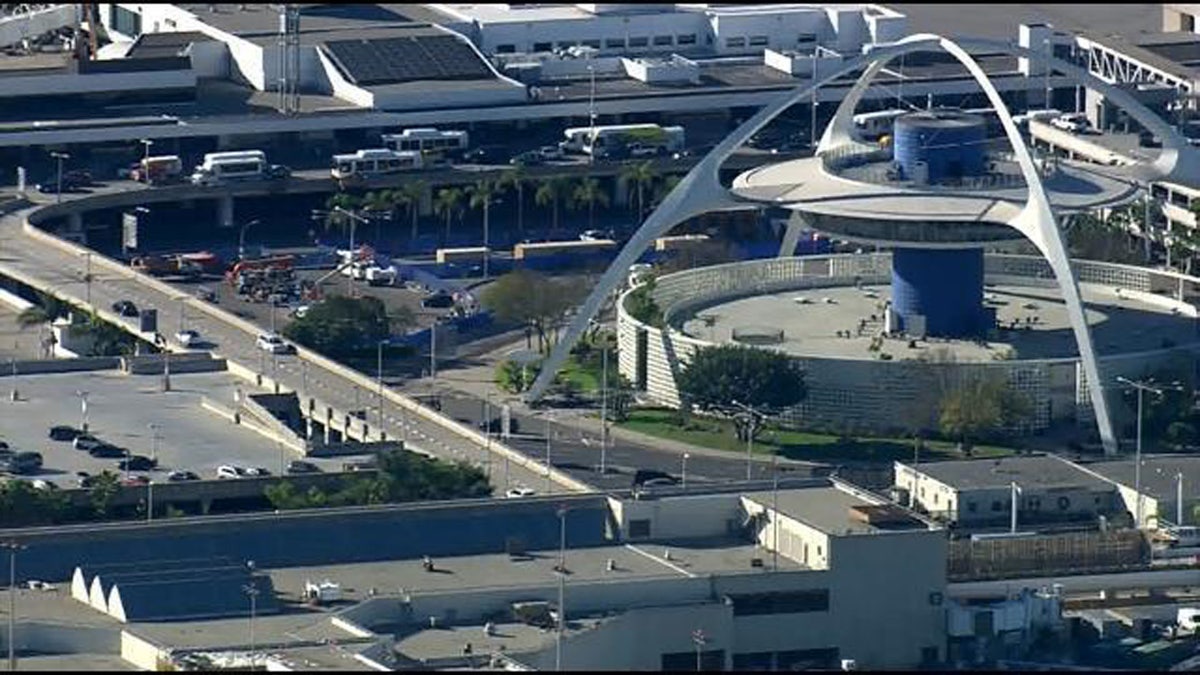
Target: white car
[(271, 342), (593, 235), (187, 338), (518, 492), (230, 471), (1076, 123)]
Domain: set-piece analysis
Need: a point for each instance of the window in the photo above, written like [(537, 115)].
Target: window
[(506, 49), (806, 38), (125, 22), (663, 41), (936, 499), (638, 42), (759, 40), (1179, 199), (713, 659), (971, 507), (639, 528), (614, 43), (735, 42), (595, 44), (689, 39), (541, 47), (996, 506), (1064, 503), (1159, 191), (1189, 22), (791, 602)]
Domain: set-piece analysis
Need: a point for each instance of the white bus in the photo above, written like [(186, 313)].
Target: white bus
[(428, 140), (872, 125), (374, 162), (224, 166), (604, 140)]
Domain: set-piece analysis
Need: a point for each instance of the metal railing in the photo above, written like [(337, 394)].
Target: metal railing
[(861, 158)]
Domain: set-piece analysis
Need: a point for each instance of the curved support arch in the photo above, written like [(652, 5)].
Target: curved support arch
[(700, 191), (839, 132)]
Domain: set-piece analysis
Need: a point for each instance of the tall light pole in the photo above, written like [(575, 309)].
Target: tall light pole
[(1142, 386), (1179, 498), (548, 484), (1015, 495), (561, 568), (603, 407), (14, 396), (592, 109), (60, 156), (154, 441), (683, 470), (146, 142), (252, 591), (12, 547), (83, 409), (379, 380), (242, 238), (775, 508)]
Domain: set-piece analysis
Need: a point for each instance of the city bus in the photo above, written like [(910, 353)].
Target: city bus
[(224, 166), (373, 162), (447, 142), (605, 140)]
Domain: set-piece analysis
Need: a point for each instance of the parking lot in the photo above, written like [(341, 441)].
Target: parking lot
[(121, 409)]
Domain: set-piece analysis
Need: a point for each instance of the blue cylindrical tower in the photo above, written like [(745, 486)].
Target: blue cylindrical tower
[(948, 143), (939, 292)]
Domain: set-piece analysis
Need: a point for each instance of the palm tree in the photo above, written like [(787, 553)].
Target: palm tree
[(481, 196), (641, 175), (379, 204), (333, 219), (589, 193), (552, 192), (516, 178), (448, 203), (664, 188), (409, 195)]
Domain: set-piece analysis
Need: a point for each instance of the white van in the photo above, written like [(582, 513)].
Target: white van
[(220, 167)]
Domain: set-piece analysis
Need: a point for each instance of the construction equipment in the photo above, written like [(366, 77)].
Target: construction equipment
[(161, 265)]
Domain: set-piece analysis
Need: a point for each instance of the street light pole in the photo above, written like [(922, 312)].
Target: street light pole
[(1015, 493), (379, 380), (562, 577), (60, 156), (1142, 386), (683, 470), (251, 590), (12, 547), (242, 238), (548, 484), (603, 407), (1179, 498), (83, 405)]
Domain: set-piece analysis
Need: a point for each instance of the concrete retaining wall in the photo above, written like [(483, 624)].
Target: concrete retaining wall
[(44, 366), (155, 364)]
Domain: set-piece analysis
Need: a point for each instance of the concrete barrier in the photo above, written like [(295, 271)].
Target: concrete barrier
[(15, 301), (252, 422), (155, 364), (405, 402)]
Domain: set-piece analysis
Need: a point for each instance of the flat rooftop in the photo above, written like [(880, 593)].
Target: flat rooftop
[(827, 509), (1120, 324), (1158, 474), (1000, 21), (1037, 471)]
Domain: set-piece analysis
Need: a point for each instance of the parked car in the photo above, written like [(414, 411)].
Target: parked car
[(85, 442), (206, 294), (50, 185), (257, 471), (550, 152), (301, 466), (125, 308), (179, 476), (135, 480), (530, 158), (485, 154), (62, 432), (230, 471), (84, 479), (643, 476), (594, 235), (277, 172), (271, 342), (519, 492), (1076, 123), (137, 463), (107, 451), (187, 338), (22, 462), (439, 300)]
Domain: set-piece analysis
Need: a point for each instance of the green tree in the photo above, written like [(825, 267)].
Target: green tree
[(1095, 238), (758, 378), (107, 339), (379, 206), (47, 309), (409, 196), (103, 491), (661, 190), (552, 191), (980, 407), (642, 307), (589, 193), (533, 300), (642, 177), (516, 179), (339, 324), (449, 203)]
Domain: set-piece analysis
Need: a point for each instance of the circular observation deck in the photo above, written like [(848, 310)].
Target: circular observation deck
[(860, 193)]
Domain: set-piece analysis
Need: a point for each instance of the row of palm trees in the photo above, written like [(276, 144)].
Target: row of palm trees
[(453, 203)]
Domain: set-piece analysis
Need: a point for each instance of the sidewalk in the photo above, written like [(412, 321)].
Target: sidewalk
[(478, 381)]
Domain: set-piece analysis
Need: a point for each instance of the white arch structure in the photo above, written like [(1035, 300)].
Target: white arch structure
[(701, 192)]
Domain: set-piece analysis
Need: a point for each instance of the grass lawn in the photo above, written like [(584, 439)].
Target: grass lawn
[(803, 445), (586, 377)]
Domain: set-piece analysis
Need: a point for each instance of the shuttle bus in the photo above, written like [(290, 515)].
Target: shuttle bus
[(605, 140), (219, 167), (374, 162), (872, 125), (448, 142)]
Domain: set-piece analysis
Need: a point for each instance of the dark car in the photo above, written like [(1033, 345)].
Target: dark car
[(63, 432), (179, 476), (85, 442), (496, 425), (137, 463), (107, 451), (50, 185), (22, 462), (486, 154), (125, 308), (84, 479), (643, 476), (531, 158), (78, 177), (439, 300), (301, 466), (278, 172)]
